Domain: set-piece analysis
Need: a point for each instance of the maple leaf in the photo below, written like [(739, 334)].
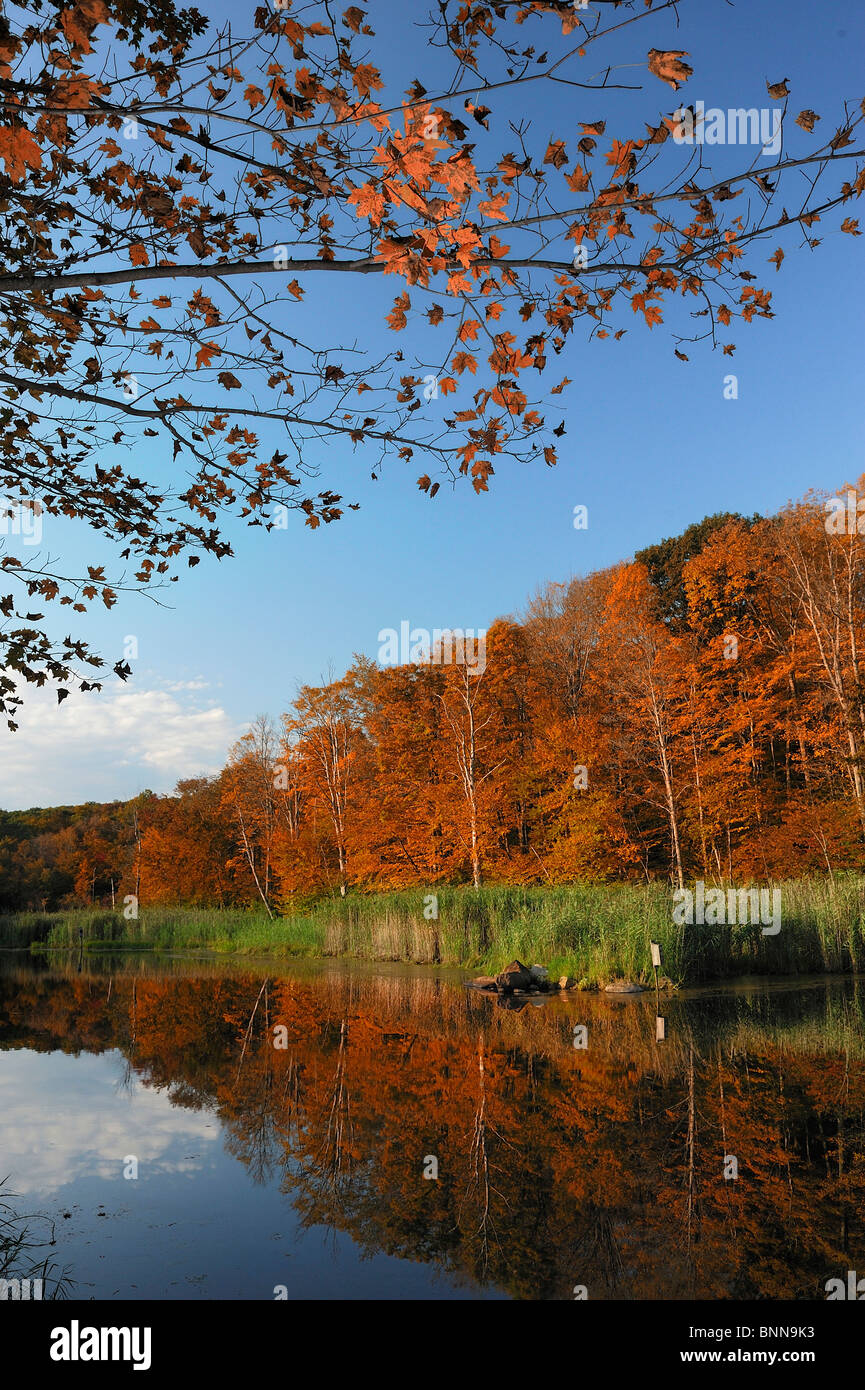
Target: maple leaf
[(777, 258), (159, 137), (666, 65), (658, 134), (197, 241), (368, 202), (556, 154), (367, 78), (807, 119), (621, 154), (353, 18), (778, 89), (396, 319), (205, 353), (138, 254), (651, 312), (843, 136), (481, 470), (79, 22), (851, 226), (19, 151), (229, 381), (464, 361), (493, 207), (578, 181)]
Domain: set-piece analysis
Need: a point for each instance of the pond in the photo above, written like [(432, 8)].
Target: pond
[(203, 1129)]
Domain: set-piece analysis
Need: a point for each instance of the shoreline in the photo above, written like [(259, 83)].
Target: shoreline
[(595, 933), (110, 957)]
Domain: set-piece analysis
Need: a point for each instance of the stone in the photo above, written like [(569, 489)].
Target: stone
[(623, 987), (516, 1002), (514, 976), (540, 975), (482, 982), (566, 982)]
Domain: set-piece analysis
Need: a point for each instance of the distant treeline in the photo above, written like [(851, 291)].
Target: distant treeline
[(696, 713)]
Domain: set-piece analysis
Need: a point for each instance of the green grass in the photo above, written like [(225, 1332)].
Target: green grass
[(595, 932)]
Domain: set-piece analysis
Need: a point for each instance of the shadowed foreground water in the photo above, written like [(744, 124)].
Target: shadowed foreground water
[(282, 1126)]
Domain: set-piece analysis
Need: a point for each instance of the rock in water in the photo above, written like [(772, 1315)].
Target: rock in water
[(514, 976), (623, 987), (540, 976), (482, 982), (566, 982)]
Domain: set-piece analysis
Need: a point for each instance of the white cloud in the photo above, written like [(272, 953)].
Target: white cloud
[(197, 684), (111, 745), (67, 1117)]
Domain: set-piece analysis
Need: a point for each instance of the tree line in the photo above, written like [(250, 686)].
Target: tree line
[(696, 712)]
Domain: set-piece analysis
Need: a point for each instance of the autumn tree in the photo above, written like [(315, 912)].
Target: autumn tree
[(603, 735), (822, 557), (405, 833), (187, 850), (326, 725), (640, 669), (249, 791), (172, 195)]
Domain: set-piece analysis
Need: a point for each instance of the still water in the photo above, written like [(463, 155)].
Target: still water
[(190, 1129)]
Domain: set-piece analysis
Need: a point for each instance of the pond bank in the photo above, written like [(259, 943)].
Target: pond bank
[(593, 932)]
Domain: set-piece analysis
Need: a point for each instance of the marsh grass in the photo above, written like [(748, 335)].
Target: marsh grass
[(24, 1240), (594, 932)]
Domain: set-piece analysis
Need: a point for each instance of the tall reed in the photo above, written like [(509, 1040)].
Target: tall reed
[(595, 932)]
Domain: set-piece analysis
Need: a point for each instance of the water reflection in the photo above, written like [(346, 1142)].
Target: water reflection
[(341, 1090)]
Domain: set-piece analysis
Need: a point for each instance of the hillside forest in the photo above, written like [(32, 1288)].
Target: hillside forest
[(697, 712)]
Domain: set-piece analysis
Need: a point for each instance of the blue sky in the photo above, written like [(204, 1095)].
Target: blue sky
[(651, 446)]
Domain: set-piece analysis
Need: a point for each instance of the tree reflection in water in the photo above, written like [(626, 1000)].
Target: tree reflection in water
[(556, 1166)]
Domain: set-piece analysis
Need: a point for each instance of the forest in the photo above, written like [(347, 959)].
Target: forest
[(696, 712)]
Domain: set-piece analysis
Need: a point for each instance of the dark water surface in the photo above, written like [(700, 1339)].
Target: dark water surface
[(283, 1119)]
